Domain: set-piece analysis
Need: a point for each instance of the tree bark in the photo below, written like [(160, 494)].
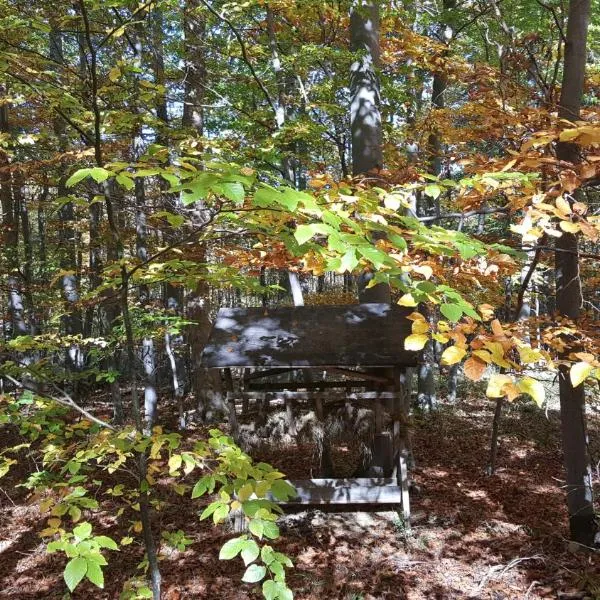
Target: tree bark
[(365, 118), (569, 298)]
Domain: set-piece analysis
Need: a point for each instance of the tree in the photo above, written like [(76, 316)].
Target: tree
[(569, 298)]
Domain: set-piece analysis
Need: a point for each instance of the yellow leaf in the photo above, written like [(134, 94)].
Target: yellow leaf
[(569, 227), (534, 388), (416, 341), (484, 355), (441, 338), (137, 526), (407, 300), (529, 355), (452, 355), (563, 206), (569, 134), (415, 316), (420, 327), (495, 388), (579, 373), (174, 463), (424, 270), (486, 311)]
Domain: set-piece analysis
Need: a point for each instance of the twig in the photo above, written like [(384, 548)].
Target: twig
[(65, 400), (498, 571)]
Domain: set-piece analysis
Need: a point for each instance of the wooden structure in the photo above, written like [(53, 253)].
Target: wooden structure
[(351, 353)]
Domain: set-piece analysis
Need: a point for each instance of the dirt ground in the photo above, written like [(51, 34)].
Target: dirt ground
[(472, 536)]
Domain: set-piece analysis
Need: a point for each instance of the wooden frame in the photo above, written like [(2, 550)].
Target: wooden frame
[(363, 345)]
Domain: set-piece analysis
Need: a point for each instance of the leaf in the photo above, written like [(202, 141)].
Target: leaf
[(304, 233), (282, 490), (496, 385), (569, 227), (452, 312), (452, 355), (254, 573), (231, 548), (75, 571), (77, 177), (174, 463), (99, 174), (233, 190), (579, 373), (416, 341), (420, 326), (83, 531), (432, 190), (94, 574), (256, 527), (270, 589), (270, 530), (474, 368), (250, 552), (105, 542), (533, 388), (407, 300)]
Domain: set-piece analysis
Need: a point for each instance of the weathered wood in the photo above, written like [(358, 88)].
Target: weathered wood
[(266, 373), (307, 385), (315, 492), (367, 335), (293, 395)]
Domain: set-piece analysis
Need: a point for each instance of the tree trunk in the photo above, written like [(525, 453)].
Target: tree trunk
[(569, 295), (365, 118)]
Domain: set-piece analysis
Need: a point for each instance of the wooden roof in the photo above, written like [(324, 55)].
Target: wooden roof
[(362, 335)]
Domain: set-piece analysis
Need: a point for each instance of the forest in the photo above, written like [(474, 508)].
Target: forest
[(299, 299)]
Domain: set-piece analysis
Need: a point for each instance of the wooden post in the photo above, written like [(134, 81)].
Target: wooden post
[(233, 424), (400, 415)]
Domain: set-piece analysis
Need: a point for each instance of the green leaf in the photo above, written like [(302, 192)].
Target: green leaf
[(432, 190), (105, 542), (270, 589), (83, 531), (256, 527), (250, 552), (125, 181), (282, 490), (99, 174), (94, 574), (254, 573), (270, 530), (77, 177), (75, 571), (452, 312), (200, 487), (304, 233), (233, 190), (231, 548)]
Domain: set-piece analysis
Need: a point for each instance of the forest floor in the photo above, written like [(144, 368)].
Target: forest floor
[(473, 536)]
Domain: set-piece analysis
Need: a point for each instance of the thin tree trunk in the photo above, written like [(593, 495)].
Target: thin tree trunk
[(569, 297)]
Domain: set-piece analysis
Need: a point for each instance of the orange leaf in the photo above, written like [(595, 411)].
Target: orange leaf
[(474, 368)]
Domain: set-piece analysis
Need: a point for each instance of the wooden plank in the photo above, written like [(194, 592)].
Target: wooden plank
[(304, 385), (367, 335), (266, 373), (292, 395), (345, 491)]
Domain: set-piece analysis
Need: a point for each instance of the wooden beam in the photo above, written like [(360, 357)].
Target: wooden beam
[(304, 385), (366, 490), (309, 395)]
